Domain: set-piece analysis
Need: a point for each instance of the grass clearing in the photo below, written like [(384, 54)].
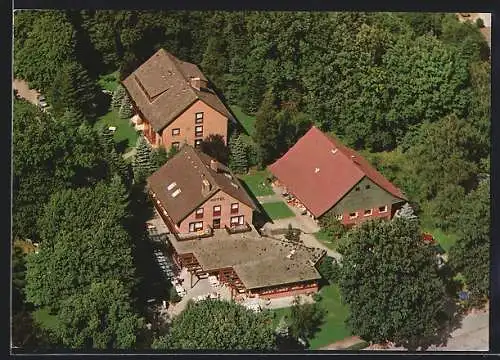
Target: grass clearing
[(247, 121), (333, 328), (326, 240), (278, 210), (125, 133), (257, 183), (45, 319), (109, 81)]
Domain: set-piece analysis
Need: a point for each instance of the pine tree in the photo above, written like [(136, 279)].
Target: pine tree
[(142, 165), (173, 150), (158, 158), (118, 95), (119, 167), (282, 328), (107, 139), (267, 130), (406, 212), (238, 158), (74, 89), (125, 111)]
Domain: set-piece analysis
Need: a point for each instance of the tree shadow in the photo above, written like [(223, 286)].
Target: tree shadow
[(103, 104), (121, 146), (260, 216), (450, 318)]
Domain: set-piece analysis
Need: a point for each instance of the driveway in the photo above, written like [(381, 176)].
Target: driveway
[(302, 222), (25, 92), (473, 335)]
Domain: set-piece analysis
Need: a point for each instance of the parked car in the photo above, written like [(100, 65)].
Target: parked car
[(42, 102)]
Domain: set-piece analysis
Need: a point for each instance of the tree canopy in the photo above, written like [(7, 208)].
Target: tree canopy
[(100, 318), (79, 230), (49, 154), (390, 280), (218, 325), (471, 254)]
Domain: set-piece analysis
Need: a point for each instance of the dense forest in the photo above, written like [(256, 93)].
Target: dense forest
[(409, 91)]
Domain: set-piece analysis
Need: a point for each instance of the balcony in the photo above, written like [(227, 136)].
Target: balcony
[(196, 235), (236, 229)]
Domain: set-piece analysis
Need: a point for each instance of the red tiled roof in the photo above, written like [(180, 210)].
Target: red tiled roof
[(319, 170)]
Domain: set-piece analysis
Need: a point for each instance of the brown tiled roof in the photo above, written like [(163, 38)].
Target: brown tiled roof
[(187, 169), (258, 261), (319, 170), (161, 90)]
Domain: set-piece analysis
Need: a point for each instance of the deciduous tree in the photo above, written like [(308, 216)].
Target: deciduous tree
[(83, 239), (390, 280), (471, 254), (218, 325), (99, 318)]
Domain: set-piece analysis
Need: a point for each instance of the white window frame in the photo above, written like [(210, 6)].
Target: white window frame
[(353, 217), (382, 211), (176, 132), (369, 214), (199, 116), (197, 142), (237, 220), (339, 217), (215, 211), (176, 144), (195, 226), (196, 132), (235, 208), (199, 212)]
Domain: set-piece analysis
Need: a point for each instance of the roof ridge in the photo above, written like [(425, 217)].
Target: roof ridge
[(204, 172), (176, 62), (342, 149)]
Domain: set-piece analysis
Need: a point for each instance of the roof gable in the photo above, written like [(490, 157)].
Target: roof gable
[(319, 171), (186, 172), (161, 89)]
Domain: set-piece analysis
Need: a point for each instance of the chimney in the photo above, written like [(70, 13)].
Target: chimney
[(205, 187), (197, 83), (214, 165)]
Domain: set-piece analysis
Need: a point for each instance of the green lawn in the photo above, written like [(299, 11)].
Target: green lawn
[(124, 131), (333, 328), (46, 320), (326, 240), (257, 183), (109, 81), (247, 121), (446, 240), (278, 210)]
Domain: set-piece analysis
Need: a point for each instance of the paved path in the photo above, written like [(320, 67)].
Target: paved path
[(270, 198), (473, 335), (303, 222), (130, 153), (343, 344)]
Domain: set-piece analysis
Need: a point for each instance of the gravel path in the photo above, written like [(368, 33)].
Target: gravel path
[(25, 92)]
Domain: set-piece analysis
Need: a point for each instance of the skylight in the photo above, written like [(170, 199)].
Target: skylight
[(228, 175), (232, 183), (334, 151), (316, 170), (176, 192), (171, 186)]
